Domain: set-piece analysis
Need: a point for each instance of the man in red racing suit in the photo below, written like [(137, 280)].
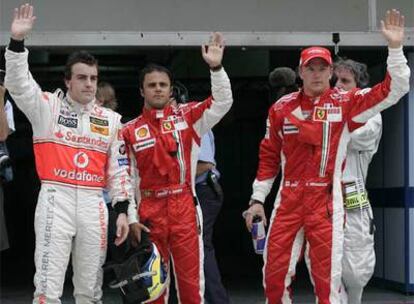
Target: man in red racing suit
[(308, 132), (165, 143), (78, 150)]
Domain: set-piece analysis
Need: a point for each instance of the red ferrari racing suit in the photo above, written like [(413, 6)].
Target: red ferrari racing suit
[(307, 138), (79, 151), (165, 144)]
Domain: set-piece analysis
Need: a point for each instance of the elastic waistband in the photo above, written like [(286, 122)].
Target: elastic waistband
[(165, 192)]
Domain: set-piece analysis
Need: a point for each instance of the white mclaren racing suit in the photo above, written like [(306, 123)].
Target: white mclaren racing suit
[(79, 150), (358, 260)]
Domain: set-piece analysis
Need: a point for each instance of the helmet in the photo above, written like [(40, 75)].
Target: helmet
[(155, 281), (142, 275)]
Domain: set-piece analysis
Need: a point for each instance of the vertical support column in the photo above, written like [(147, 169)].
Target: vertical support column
[(372, 15), (409, 183)]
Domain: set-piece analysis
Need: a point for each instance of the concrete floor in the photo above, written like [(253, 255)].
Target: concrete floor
[(240, 294)]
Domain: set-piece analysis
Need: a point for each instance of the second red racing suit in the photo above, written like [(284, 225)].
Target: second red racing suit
[(307, 138), (165, 144)]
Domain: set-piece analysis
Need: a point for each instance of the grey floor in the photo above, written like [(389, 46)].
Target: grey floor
[(240, 294)]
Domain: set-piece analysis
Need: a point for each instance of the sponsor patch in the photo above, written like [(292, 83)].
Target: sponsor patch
[(332, 114), (66, 112), (180, 123), (290, 129), (142, 133), (77, 139), (99, 121), (123, 162), (167, 126), (144, 145), (100, 130), (78, 175), (81, 160), (122, 149), (68, 121), (97, 111), (319, 114)]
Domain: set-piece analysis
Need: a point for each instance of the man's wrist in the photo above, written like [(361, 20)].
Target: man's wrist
[(16, 46), (254, 202), (216, 68), (394, 45), (121, 207)]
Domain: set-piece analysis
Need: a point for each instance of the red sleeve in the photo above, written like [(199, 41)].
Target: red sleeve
[(128, 147), (271, 145), (197, 108), (364, 101)]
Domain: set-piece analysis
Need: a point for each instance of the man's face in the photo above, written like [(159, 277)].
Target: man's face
[(346, 80), (156, 90), (315, 75), (83, 82)]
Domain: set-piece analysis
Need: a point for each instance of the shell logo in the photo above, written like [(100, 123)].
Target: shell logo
[(142, 132), (81, 160)]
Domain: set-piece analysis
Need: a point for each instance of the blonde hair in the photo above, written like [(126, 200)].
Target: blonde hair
[(105, 94)]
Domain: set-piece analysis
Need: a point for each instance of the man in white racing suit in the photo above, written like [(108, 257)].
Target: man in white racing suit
[(358, 260), (79, 150)]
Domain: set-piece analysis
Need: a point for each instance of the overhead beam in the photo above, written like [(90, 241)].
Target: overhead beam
[(189, 38)]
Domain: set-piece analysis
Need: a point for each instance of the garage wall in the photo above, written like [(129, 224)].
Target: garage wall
[(104, 22)]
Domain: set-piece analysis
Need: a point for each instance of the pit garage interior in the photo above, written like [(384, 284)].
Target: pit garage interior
[(254, 48)]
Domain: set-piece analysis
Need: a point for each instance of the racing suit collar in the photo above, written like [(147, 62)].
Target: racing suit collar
[(156, 114), (78, 107), (314, 100)]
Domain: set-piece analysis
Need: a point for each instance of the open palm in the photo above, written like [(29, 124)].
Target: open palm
[(213, 52), (23, 21), (393, 28)]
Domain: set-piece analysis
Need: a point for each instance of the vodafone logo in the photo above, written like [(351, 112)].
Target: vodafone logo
[(81, 160)]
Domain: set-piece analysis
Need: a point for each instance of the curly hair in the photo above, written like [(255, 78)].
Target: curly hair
[(358, 69)]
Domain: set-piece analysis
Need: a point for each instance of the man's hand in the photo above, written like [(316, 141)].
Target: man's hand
[(213, 52), (23, 21), (249, 214), (135, 232), (393, 28), (122, 229)]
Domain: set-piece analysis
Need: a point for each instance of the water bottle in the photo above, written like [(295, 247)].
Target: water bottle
[(258, 235)]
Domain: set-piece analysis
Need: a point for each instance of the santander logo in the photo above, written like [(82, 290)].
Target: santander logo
[(80, 139), (59, 134)]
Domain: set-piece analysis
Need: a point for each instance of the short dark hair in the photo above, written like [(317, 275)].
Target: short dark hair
[(152, 67), (358, 69), (79, 57)]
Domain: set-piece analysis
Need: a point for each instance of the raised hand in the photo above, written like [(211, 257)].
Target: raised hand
[(23, 21), (393, 28), (213, 52)]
